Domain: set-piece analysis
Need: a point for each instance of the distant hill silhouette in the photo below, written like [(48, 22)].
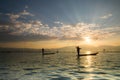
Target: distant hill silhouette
[(92, 48), (21, 50), (18, 50), (68, 49)]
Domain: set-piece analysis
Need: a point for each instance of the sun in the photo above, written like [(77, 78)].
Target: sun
[(87, 40)]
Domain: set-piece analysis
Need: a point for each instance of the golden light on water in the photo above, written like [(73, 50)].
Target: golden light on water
[(88, 60), (89, 64), (88, 52)]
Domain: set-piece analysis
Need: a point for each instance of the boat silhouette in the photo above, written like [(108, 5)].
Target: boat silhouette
[(48, 53), (91, 54)]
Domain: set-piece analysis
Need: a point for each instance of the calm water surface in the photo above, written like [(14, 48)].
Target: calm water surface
[(60, 66)]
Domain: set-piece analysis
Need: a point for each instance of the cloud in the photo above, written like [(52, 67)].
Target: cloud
[(58, 22), (26, 7), (81, 30), (106, 16), (6, 37), (35, 30), (24, 12), (77, 31), (14, 17)]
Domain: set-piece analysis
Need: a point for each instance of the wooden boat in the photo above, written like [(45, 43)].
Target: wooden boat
[(48, 53), (91, 54)]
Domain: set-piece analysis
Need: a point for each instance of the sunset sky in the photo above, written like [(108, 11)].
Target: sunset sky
[(59, 23)]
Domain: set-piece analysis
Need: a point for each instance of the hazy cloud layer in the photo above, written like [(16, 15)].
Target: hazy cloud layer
[(36, 30), (106, 16)]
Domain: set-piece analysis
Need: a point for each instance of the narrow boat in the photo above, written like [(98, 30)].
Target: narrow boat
[(91, 54), (48, 53)]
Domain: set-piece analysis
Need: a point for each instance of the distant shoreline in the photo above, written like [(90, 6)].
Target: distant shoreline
[(30, 50)]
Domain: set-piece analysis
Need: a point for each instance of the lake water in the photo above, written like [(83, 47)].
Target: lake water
[(60, 66)]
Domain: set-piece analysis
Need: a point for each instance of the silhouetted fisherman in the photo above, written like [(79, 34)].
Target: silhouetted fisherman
[(43, 51), (57, 51), (78, 50), (104, 50)]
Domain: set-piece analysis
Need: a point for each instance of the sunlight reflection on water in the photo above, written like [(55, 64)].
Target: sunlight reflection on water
[(88, 52), (60, 66)]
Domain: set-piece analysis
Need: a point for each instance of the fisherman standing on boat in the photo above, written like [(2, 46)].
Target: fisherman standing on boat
[(78, 50), (42, 51)]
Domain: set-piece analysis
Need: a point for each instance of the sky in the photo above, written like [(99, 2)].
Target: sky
[(59, 23)]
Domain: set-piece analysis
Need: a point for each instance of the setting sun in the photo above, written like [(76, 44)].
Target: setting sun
[(87, 40)]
